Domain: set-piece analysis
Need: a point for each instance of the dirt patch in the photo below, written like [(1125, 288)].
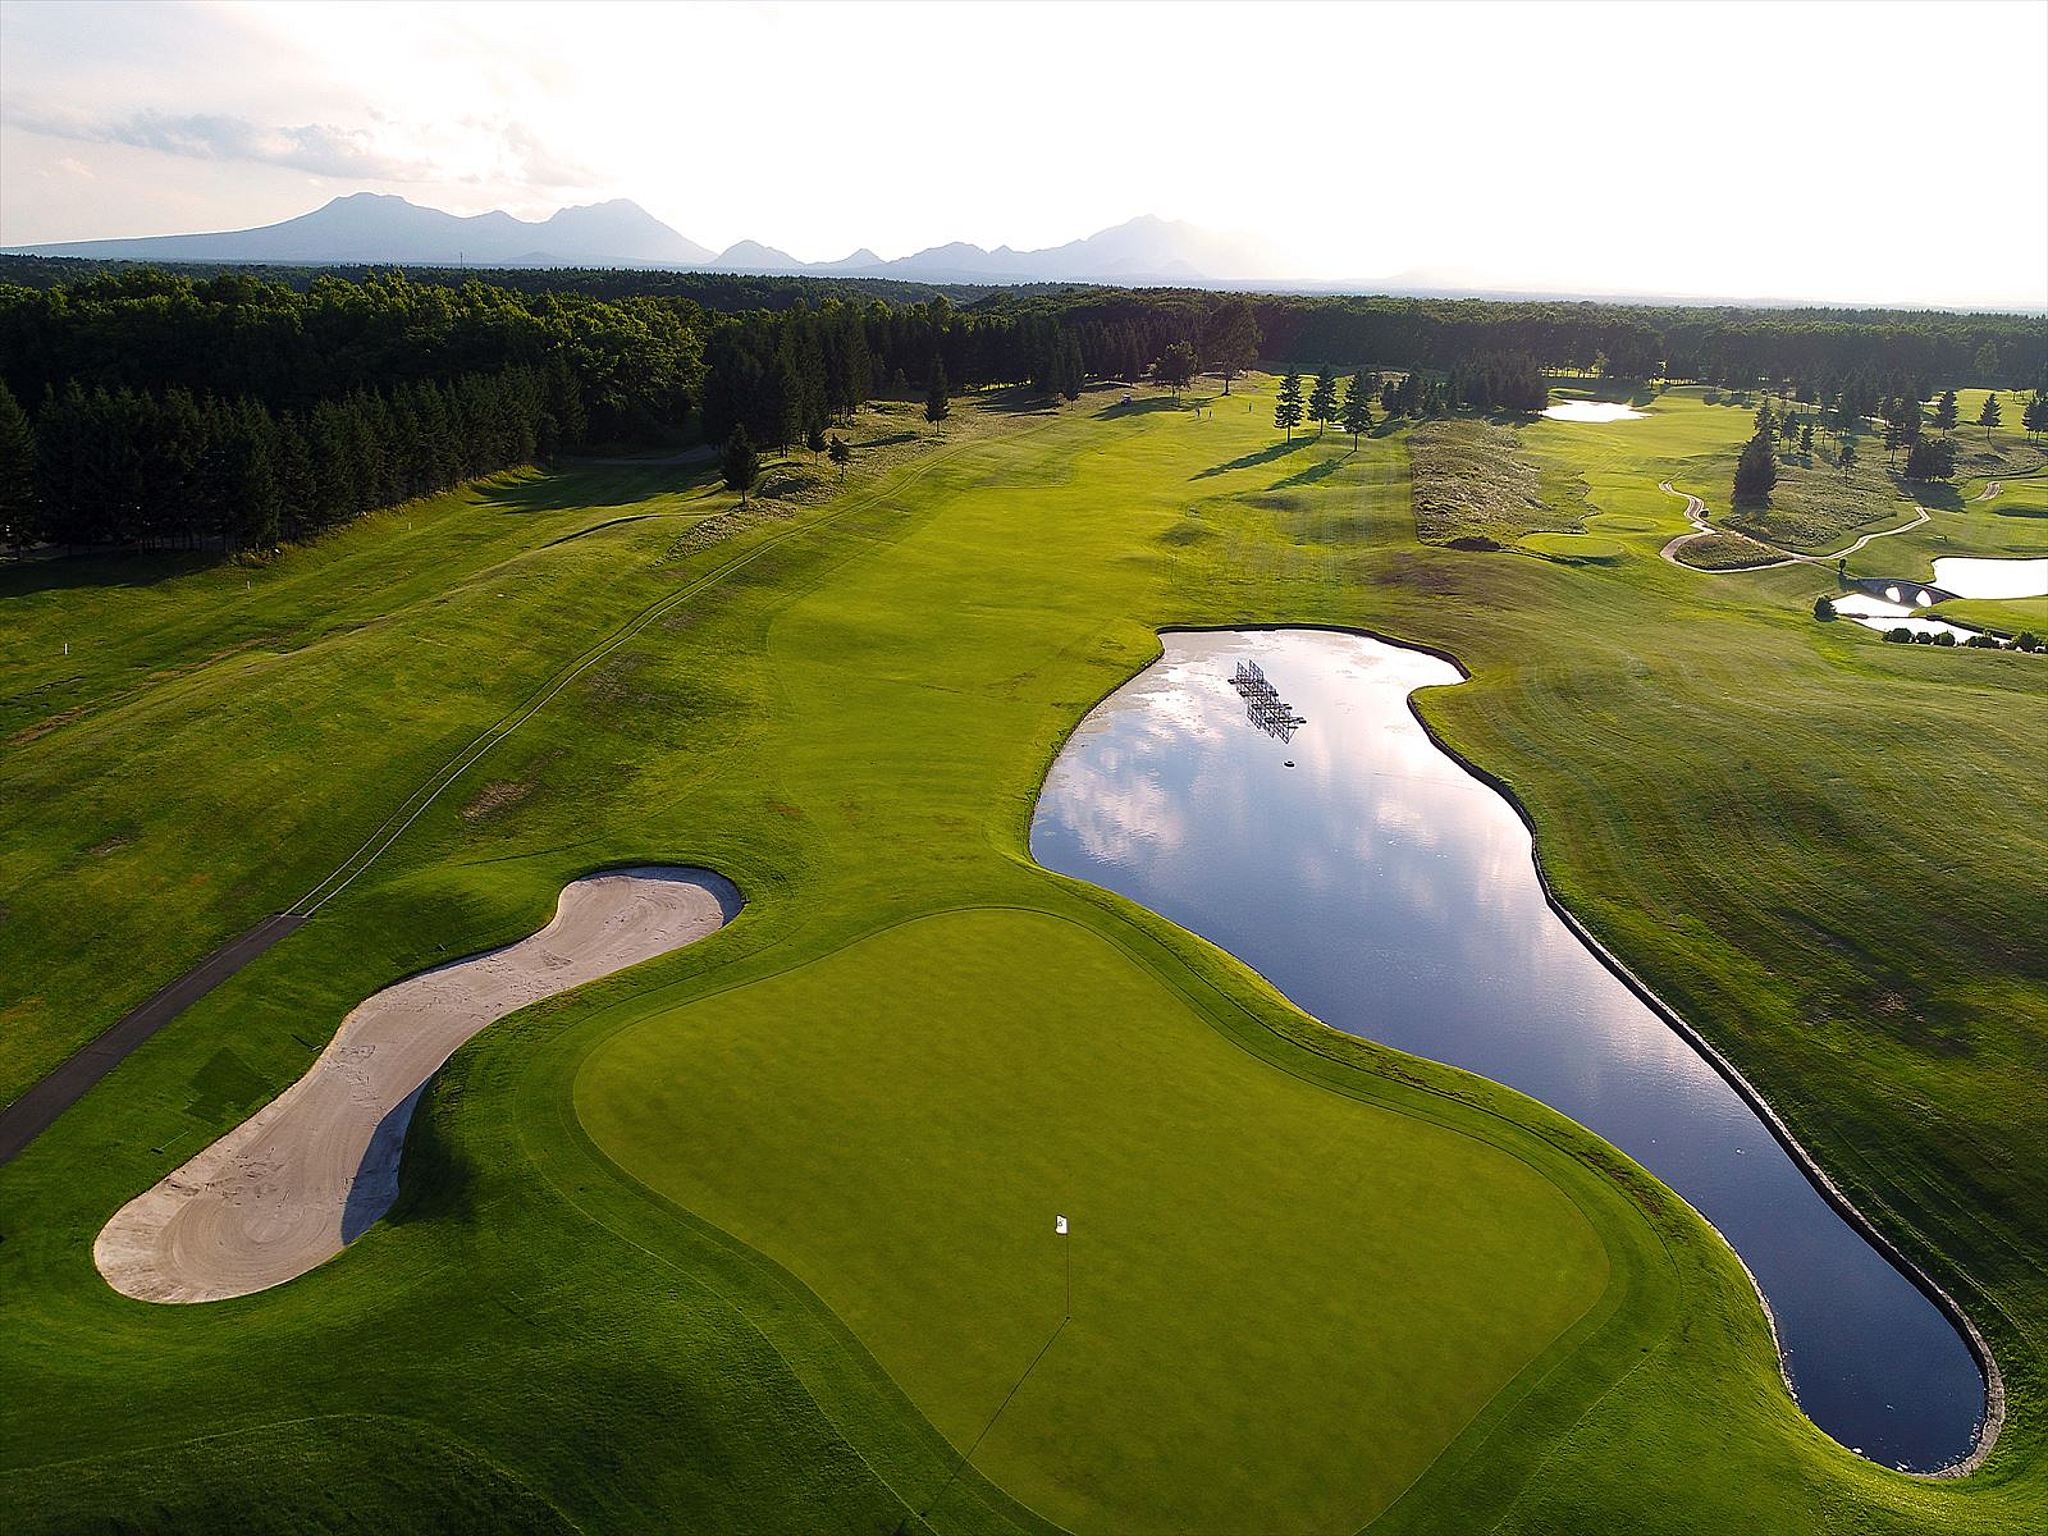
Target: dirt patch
[(499, 795)]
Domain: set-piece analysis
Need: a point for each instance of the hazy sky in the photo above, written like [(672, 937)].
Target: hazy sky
[(1863, 152)]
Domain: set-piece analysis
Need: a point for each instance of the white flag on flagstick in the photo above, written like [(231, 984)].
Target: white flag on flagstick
[(1059, 1226)]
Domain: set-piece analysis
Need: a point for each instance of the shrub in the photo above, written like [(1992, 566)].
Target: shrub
[(1899, 636), (1824, 608), (2028, 641), (1943, 638), (1984, 642)]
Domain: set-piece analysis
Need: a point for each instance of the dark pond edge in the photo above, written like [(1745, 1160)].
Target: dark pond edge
[(1994, 1383)]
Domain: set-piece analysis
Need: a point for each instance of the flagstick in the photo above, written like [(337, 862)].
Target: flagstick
[(1070, 1279)]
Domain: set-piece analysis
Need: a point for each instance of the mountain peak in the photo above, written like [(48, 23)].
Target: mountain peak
[(383, 228)]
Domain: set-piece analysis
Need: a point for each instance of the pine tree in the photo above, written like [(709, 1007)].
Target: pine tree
[(1948, 412), (937, 404), (17, 473), (1071, 372), (1231, 341), (1756, 472), (1287, 410), (1846, 459), (1176, 367), (741, 466), (1357, 417), (1322, 400), (1991, 415), (839, 453)]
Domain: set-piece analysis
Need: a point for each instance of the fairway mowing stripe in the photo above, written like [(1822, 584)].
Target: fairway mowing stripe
[(44, 1101), (350, 868)]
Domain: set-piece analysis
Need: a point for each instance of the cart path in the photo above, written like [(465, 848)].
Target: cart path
[(1696, 514)]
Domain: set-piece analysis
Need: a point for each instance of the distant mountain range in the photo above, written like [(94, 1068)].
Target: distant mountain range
[(369, 228)]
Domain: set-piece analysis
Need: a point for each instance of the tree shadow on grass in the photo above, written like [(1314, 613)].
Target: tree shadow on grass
[(1934, 495), (592, 488), (119, 568), (1253, 460), (1322, 469), (1135, 407), (1016, 400)]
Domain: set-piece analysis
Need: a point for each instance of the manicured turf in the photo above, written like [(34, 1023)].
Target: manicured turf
[(1777, 820), (899, 1122)]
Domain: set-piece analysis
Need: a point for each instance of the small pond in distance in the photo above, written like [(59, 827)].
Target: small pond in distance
[(1270, 791), (1968, 577), (1593, 410)]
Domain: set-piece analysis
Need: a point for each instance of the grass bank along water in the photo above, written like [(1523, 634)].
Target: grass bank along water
[(1391, 894)]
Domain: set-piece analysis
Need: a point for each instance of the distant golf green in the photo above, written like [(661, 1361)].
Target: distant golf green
[(758, 1235)]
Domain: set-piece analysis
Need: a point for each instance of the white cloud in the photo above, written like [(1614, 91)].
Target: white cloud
[(325, 150), (1678, 147)]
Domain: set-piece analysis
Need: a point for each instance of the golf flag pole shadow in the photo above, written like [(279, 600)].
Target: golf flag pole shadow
[(1059, 1228)]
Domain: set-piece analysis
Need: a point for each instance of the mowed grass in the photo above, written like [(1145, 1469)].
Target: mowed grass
[(1260, 1266), (1766, 815)]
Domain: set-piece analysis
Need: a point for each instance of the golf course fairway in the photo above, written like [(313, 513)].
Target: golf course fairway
[(758, 1235)]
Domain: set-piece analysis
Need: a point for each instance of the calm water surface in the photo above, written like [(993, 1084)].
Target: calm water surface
[(1392, 895)]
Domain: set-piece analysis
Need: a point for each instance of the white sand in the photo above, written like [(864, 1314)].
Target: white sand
[(290, 1186)]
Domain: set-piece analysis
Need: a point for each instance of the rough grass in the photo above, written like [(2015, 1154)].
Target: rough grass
[(1769, 816), (1724, 552), (1472, 482), (1815, 508)]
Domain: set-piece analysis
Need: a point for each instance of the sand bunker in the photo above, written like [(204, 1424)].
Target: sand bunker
[(292, 1185)]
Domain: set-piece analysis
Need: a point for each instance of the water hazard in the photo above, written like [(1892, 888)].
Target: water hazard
[(1271, 792)]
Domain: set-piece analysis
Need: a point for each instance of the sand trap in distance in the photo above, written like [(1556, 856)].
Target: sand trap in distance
[(310, 1171)]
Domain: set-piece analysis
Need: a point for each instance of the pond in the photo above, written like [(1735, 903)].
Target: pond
[(1593, 410), (1884, 617), (1967, 577), (1270, 791)]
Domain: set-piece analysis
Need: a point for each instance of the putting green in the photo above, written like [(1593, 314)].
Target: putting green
[(898, 1123)]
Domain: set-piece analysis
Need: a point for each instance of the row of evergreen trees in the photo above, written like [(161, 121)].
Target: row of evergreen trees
[(637, 360), (176, 469)]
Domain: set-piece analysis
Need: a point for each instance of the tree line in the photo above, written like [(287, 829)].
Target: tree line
[(636, 361), (174, 469), (444, 379)]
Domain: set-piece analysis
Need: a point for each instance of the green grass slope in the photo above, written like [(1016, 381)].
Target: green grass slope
[(911, 1031), (898, 1123)]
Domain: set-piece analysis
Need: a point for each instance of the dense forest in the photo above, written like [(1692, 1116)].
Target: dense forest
[(139, 406)]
